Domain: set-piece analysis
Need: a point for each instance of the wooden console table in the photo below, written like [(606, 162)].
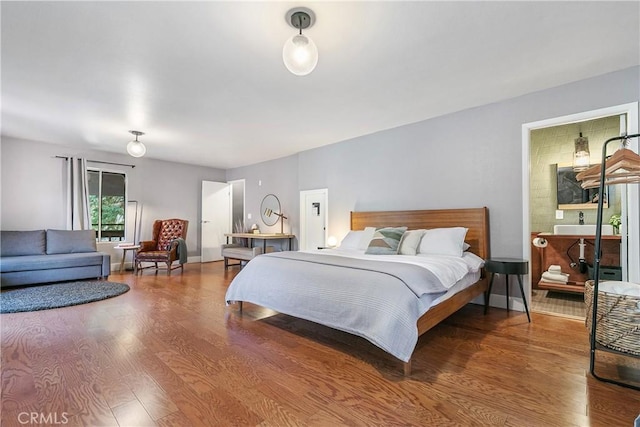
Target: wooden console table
[(264, 237)]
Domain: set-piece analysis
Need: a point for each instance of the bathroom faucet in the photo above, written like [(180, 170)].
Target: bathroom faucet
[(581, 218)]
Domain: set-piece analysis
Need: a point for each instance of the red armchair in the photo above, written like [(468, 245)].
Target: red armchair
[(168, 245)]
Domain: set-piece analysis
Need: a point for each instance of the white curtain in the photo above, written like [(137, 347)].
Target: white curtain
[(77, 195)]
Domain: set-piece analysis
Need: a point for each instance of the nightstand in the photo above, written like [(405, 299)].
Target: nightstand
[(507, 266)]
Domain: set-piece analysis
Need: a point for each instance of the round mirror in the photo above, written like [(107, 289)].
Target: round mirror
[(269, 208)]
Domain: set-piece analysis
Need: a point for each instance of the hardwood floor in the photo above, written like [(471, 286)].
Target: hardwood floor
[(170, 353)]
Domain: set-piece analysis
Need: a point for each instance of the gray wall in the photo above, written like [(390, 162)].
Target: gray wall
[(33, 191), (279, 177), (470, 158), (466, 159)]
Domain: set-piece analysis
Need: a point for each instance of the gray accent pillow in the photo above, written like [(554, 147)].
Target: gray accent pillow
[(19, 243), (385, 241), (70, 241)]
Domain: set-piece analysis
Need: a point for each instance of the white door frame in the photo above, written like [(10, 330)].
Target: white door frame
[(630, 199), (322, 192)]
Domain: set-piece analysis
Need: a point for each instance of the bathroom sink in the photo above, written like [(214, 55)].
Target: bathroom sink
[(582, 230)]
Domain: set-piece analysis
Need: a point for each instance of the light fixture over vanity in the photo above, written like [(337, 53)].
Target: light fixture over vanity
[(581, 155)]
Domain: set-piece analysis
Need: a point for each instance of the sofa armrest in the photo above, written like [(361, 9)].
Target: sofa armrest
[(106, 265)]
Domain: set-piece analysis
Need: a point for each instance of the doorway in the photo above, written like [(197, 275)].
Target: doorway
[(313, 219), (216, 219), (540, 207)]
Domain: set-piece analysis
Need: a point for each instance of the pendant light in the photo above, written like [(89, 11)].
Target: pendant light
[(581, 155), (136, 148), (300, 54)]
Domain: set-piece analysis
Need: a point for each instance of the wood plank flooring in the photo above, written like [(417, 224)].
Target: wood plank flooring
[(170, 353)]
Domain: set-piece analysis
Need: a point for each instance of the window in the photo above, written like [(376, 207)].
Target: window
[(107, 201)]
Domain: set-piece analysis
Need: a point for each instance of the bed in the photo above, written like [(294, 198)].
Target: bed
[(390, 300)]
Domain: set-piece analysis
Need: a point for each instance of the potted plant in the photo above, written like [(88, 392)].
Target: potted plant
[(615, 221)]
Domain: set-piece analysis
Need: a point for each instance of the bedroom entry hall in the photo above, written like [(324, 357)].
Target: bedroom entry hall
[(562, 216)]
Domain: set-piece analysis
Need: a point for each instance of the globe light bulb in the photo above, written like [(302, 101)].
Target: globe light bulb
[(136, 149), (300, 55)]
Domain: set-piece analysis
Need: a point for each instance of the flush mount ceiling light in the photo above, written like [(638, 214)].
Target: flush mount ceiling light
[(581, 155), (300, 54), (136, 148)]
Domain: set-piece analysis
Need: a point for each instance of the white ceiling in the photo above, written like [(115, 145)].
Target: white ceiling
[(206, 83)]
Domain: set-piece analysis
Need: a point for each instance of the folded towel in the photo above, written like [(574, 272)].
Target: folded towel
[(556, 277), (559, 282), (555, 269)]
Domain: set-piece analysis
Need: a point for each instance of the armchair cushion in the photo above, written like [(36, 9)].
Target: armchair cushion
[(170, 229)]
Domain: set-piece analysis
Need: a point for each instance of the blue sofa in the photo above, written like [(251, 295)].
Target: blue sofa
[(46, 256)]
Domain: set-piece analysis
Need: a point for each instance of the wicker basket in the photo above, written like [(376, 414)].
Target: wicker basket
[(618, 319)]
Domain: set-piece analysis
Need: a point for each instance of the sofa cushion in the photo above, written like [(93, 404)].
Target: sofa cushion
[(46, 262), (70, 241), (20, 243)]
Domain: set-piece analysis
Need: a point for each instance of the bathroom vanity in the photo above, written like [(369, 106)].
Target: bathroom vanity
[(564, 250)]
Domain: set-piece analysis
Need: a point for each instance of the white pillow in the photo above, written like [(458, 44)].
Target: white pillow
[(410, 241), (367, 235), (352, 240), (443, 241), (474, 262)]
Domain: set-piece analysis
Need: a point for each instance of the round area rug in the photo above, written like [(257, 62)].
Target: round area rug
[(55, 295)]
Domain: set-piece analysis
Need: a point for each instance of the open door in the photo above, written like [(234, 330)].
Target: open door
[(216, 219)]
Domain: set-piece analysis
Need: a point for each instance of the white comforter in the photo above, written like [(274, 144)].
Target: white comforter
[(376, 306)]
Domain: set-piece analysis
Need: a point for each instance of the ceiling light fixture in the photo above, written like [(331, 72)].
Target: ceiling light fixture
[(581, 155), (136, 148), (300, 54)]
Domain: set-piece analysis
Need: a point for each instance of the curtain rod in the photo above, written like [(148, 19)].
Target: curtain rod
[(99, 161)]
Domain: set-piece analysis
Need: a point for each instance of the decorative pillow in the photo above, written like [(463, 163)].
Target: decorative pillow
[(352, 240), (367, 235), (19, 243), (410, 241), (70, 241), (443, 241), (385, 241)]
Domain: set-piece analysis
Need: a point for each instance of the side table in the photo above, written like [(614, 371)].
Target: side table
[(507, 266), (126, 248)]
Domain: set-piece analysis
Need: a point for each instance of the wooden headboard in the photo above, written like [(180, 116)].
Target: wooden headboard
[(475, 219)]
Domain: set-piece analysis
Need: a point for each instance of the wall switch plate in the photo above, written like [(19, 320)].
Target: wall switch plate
[(559, 214), (248, 216)]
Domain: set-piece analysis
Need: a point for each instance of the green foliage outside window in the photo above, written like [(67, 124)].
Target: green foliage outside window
[(107, 205), (112, 214)]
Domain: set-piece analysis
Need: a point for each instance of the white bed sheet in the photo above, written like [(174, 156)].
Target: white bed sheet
[(386, 317)]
